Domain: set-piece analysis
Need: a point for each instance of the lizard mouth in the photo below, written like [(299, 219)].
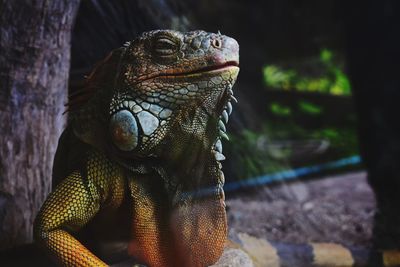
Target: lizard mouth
[(181, 73), (209, 69)]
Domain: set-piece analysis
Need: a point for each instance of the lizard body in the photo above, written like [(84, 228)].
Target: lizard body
[(137, 171), (138, 163)]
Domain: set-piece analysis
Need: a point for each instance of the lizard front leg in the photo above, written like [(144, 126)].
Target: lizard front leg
[(72, 205)]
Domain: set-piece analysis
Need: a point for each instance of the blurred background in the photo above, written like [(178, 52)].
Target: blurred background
[(315, 126)]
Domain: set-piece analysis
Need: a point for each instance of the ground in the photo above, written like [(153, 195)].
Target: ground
[(336, 209)]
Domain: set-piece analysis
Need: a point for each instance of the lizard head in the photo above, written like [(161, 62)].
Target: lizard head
[(173, 95), (165, 95)]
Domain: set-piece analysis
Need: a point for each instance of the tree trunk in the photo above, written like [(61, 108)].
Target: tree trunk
[(34, 58), (374, 63)]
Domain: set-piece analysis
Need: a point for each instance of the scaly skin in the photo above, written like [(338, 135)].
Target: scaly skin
[(132, 184), (137, 169)]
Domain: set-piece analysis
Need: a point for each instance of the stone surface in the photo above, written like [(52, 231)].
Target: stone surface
[(234, 258), (336, 209)]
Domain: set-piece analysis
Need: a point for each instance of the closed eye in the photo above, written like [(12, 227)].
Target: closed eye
[(165, 46)]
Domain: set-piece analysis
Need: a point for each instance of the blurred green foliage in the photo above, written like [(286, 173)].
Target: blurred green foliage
[(299, 131), (332, 79), (261, 152), (280, 110), (302, 129), (252, 156), (304, 106), (309, 108)]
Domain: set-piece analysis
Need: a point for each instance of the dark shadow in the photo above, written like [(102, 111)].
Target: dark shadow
[(373, 42)]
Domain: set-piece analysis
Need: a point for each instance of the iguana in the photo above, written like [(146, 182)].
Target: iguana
[(138, 164), (137, 171)]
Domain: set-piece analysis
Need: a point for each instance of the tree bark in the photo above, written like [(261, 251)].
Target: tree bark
[(34, 65)]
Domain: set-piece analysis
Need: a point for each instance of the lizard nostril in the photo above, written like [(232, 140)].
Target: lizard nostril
[(216, 43)]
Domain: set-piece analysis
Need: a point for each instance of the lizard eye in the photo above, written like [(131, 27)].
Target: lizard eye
[(165, 46)]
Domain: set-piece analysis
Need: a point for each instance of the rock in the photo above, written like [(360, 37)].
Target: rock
[(234, 258)]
